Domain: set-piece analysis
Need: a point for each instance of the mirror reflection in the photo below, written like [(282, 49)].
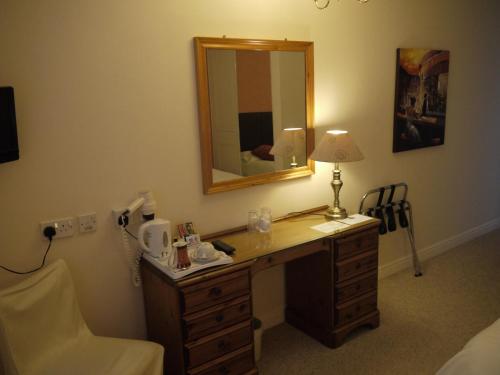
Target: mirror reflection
[(258, 114), (256, 111)]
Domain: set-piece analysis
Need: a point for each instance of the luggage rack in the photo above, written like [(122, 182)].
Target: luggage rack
[(390, 208)]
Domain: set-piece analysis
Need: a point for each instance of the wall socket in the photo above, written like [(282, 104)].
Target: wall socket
[(87, 222), (64, 227)]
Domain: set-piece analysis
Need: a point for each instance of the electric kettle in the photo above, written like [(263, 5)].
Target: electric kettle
[(155, 237)]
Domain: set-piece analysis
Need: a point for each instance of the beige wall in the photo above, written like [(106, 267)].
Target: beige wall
[(289, 99), (106, 106), (292, 76)]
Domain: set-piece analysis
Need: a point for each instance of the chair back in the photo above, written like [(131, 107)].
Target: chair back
[(39, 317)]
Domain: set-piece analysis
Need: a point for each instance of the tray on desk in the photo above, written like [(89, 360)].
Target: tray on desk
[(175, 273)]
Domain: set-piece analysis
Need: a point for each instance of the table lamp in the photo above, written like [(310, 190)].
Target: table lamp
[(336, 147), (290, 142)]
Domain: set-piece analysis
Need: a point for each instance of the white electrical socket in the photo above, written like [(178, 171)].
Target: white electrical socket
[(64, 227), (87, 222)]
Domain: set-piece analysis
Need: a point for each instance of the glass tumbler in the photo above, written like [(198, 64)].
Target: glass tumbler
[(253, 221), (265, 219)]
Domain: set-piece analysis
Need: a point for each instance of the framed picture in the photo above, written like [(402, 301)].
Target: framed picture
[(420, 103)]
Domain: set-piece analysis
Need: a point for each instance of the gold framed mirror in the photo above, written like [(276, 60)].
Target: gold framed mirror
[(256, 111)]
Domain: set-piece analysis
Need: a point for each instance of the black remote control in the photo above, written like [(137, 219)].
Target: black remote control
[(222, 246)]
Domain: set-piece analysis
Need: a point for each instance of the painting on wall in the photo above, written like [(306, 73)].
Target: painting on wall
[(420, 105)]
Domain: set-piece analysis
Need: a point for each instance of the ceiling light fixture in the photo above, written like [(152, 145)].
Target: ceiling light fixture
[(319, 6)]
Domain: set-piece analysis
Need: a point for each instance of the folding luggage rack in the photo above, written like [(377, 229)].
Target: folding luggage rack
[(390, 208)]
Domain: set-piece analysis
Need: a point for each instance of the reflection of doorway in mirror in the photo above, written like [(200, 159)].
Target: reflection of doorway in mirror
[(224, 113)]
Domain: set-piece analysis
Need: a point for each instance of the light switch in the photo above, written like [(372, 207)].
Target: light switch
[(87, 222)]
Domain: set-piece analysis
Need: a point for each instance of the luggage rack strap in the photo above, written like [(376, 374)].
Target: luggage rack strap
[(403, 205)]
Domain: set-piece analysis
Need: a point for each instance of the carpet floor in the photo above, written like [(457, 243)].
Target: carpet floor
[(424, 321)]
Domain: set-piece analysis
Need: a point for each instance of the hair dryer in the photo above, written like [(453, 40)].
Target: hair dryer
[(147, 204)]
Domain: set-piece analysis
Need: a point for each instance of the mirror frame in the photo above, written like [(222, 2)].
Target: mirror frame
[(201, 44)]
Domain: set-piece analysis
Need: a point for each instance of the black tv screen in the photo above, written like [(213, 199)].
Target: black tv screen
[(9, 148)]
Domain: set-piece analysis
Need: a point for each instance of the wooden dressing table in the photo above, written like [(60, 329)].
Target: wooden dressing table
[(204, 320)]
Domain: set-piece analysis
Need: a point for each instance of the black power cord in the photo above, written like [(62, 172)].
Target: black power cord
[(48, 232), (130, 234)]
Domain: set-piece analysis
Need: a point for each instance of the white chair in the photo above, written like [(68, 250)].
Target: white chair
[(43, 332)]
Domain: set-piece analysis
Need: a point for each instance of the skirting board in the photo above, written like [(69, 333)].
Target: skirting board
[(273, 317), (438, 248)]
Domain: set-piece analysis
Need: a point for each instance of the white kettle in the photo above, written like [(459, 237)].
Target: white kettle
[(155, 237)]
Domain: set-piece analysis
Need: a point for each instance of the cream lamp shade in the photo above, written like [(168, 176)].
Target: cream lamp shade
[(336, 147), (291, 142)]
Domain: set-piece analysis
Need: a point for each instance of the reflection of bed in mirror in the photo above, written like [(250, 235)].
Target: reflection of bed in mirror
[(252, 165), (256, 140), (219, 175)]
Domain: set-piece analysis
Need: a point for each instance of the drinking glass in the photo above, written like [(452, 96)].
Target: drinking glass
[(265, 220), (253, 221)]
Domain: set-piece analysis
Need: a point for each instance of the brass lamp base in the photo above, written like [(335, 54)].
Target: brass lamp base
[(336, 213)]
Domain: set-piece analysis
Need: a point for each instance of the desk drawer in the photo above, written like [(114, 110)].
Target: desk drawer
[(356, 243), (350, 311), (211, 347), (238, 362), (356, 265), (290, 254), (216, 318), (356, 287), (216, 290)]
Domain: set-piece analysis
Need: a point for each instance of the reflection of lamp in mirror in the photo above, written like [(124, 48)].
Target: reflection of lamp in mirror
[(336, 147), (290, 143)]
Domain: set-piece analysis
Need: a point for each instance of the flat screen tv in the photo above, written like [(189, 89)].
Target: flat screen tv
[(9, 148)]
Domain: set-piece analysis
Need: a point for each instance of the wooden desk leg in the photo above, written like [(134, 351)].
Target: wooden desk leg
[(340, 334)]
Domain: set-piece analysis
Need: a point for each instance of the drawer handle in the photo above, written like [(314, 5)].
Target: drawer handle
[(215, 291), (219, 318), (222, 345), (243, 307), (223, 370), (358, 266), (270, 260)]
